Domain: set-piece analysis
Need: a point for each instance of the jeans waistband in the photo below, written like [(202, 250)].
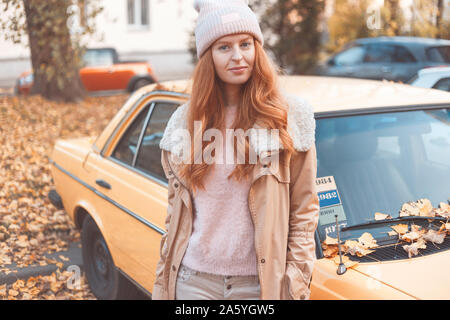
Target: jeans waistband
[(219, 275)]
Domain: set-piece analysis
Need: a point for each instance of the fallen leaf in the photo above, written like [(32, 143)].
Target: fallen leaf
[(421, 207), (63, 258), (3, 290), (425, 208), (356, 248), (13, 292), (410, 236), (443, 210), (346, 261), (409, 209), (434, 236), (382, 216), (330, 241), (368, 241), (400, 228), (330, 251), (413, 249)]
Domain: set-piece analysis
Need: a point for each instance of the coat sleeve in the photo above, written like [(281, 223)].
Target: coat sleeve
[(303, 218), (159, 287)]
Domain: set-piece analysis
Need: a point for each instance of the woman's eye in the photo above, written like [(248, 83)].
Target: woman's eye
[(244, 44)]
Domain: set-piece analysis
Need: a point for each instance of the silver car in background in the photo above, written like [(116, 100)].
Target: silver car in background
[(436, 78), (389, 58)]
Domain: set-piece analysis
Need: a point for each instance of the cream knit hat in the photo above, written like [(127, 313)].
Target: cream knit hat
[(218, 18)]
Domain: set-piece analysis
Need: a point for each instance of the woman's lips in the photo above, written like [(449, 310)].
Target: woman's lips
[(238, 70)]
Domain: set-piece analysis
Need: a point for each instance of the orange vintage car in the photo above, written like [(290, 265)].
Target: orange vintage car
[(103, 71), (379, 145)]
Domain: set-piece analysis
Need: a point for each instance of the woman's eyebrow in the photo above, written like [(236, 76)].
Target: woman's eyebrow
[(227, 42)]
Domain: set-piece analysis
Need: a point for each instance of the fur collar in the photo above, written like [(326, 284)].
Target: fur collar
[(301, 128)]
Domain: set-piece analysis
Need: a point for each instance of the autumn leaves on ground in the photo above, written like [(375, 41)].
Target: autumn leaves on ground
[(30, 226)]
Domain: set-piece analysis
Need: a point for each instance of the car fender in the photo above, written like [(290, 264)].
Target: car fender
[(82, 207)]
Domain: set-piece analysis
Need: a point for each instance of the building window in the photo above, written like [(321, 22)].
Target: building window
[(138, 13)]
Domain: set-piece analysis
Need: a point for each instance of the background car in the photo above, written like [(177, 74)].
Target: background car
[(436, 78), (390, 58), (379, 144), (103, 71)]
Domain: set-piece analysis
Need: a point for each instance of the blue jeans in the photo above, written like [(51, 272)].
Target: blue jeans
[(196, 285)]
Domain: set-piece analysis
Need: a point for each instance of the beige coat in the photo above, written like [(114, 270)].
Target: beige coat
[(284, 238)]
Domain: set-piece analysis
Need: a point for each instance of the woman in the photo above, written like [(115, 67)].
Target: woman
[(237, 230)]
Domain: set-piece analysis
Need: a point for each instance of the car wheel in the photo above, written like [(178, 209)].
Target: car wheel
[(141, 83), (105, 281)]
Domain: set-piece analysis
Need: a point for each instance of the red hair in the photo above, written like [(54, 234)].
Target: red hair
[(260, 99)]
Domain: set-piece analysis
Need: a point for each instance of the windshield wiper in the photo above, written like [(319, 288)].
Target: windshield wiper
[(386, 221)]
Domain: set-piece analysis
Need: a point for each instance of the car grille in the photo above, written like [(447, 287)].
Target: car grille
[(396, 252)]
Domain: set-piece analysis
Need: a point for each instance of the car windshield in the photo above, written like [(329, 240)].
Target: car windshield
[(94, 58), (377, 162), (439, 54)]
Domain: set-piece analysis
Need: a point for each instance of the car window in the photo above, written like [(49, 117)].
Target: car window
[(93, 58), (443, 84), (350, 56), (127, 146), (403, 55), (149, 157), (380, 53), (439, 54), (375, 163)]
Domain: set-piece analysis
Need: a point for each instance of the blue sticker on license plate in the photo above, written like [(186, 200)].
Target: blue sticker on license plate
[(328, 198)]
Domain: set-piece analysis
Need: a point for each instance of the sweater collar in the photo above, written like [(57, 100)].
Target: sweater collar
[(300, 126)]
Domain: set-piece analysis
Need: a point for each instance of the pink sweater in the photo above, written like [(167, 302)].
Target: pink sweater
[(222, 240)]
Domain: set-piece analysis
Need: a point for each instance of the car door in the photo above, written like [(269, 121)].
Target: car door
[(100, 71), (134, 186), (347, 63), (388, 61)]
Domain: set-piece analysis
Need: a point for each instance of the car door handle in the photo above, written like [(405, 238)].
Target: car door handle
[(103, 183), (386, 69)]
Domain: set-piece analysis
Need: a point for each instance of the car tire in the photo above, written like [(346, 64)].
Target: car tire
[(104, 280), (142, 82)]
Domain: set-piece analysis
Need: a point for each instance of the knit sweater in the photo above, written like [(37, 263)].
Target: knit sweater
[(222, 239)]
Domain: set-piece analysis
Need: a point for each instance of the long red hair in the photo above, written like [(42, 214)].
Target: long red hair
[(260, 99)]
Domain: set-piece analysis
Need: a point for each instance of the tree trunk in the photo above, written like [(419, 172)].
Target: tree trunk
[(440, 7), (53, 58)]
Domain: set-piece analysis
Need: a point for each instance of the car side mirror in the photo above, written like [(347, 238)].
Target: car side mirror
[(331, 62)]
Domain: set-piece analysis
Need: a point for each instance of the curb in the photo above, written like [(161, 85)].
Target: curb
[(73, 253)]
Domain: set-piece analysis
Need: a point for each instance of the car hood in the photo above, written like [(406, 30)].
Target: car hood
[(425, 277)]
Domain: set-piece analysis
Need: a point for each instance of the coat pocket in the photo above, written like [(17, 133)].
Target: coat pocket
[(294, 286)]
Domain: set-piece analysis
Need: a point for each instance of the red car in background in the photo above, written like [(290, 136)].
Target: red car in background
[(103, 71)]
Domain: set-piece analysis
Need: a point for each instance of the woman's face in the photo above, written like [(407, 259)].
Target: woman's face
[(234, 51)]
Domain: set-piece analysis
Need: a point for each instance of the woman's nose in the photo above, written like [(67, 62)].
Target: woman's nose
[(237, 55)]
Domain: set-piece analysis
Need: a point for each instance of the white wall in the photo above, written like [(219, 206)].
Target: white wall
[(170, 24)]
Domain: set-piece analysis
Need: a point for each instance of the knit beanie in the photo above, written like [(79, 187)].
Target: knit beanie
[(218, 18)]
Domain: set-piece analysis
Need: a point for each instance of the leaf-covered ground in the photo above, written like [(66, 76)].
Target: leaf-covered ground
[(30, 226)]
